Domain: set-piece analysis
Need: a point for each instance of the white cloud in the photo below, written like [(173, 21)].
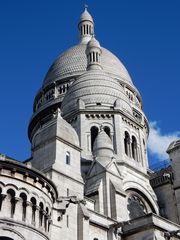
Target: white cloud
[(158, 142)]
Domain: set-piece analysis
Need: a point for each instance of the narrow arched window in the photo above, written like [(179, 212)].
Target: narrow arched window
[(24, 205), (94, 57), (46, 219), (127, 143), (11, 198), (33, 201), (134, 148), (68, 158), (94, 133), (1, 198), (41, 213), (107, 131), (90, 57)]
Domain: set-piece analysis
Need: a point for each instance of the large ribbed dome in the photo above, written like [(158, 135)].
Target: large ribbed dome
[(95, 87), (73, 62)]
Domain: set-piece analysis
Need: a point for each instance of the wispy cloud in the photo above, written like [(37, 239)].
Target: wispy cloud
[(159, 142)]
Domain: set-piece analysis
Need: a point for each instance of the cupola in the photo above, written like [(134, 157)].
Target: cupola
[(93, 54), (86, 27)]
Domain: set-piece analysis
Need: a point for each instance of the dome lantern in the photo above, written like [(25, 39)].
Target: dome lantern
[(86, 26), (94, 54)]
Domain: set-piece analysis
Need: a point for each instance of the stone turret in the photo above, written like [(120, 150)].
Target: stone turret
[(94, 54), (174, 155), (103, 145), (86, 26)]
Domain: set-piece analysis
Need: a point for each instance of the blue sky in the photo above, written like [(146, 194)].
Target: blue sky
[(145, 35)]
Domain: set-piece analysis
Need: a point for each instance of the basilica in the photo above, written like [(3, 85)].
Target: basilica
[(88, 176)]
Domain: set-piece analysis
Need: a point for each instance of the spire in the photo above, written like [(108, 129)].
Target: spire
[(86, 26), (93, 53)]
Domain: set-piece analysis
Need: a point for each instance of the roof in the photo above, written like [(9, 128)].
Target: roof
[(73, 63), (86, 16)]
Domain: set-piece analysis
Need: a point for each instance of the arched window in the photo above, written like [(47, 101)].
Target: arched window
[(46, 219), (11, 198), (134, 148), (138, 204), (94, 133), (107, 131), (41, 213), (24, 205), (33, 200), (68, 158), (127, 143)]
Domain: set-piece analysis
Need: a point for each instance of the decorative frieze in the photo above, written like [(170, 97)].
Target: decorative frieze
[(130, 123), (98, 116)]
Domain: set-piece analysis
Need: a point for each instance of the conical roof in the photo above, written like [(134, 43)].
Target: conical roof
[(102, 144), (86, 16)]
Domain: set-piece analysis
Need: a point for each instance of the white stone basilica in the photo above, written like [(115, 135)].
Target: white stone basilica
[(88, 176)]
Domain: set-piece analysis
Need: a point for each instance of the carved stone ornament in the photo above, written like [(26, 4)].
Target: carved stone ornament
[(136, 207)]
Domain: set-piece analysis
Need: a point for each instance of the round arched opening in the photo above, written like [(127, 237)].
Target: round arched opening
[(138, 204), (94, 133), (107, 131)]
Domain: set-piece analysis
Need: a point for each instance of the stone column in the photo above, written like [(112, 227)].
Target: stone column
[(7, 206), (37, 220), (49, 222), (118, 140), (43, 220), (129, 148), (29, 212), (3, 211), (18, 209), (83, 223)]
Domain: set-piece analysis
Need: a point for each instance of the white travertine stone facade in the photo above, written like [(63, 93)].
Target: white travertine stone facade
[(88, 176)]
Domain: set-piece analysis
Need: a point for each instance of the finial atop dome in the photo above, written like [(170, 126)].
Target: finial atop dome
[(94, 54), (86, 26), (85, 7)]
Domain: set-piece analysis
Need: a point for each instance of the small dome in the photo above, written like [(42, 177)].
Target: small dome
[(94, 88), (93, 43), (173, 145), (102, 145), (66, 132), (85, 16)]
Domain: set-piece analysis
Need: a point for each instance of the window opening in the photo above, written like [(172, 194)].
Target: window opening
[(68, 158), (94, 133)]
